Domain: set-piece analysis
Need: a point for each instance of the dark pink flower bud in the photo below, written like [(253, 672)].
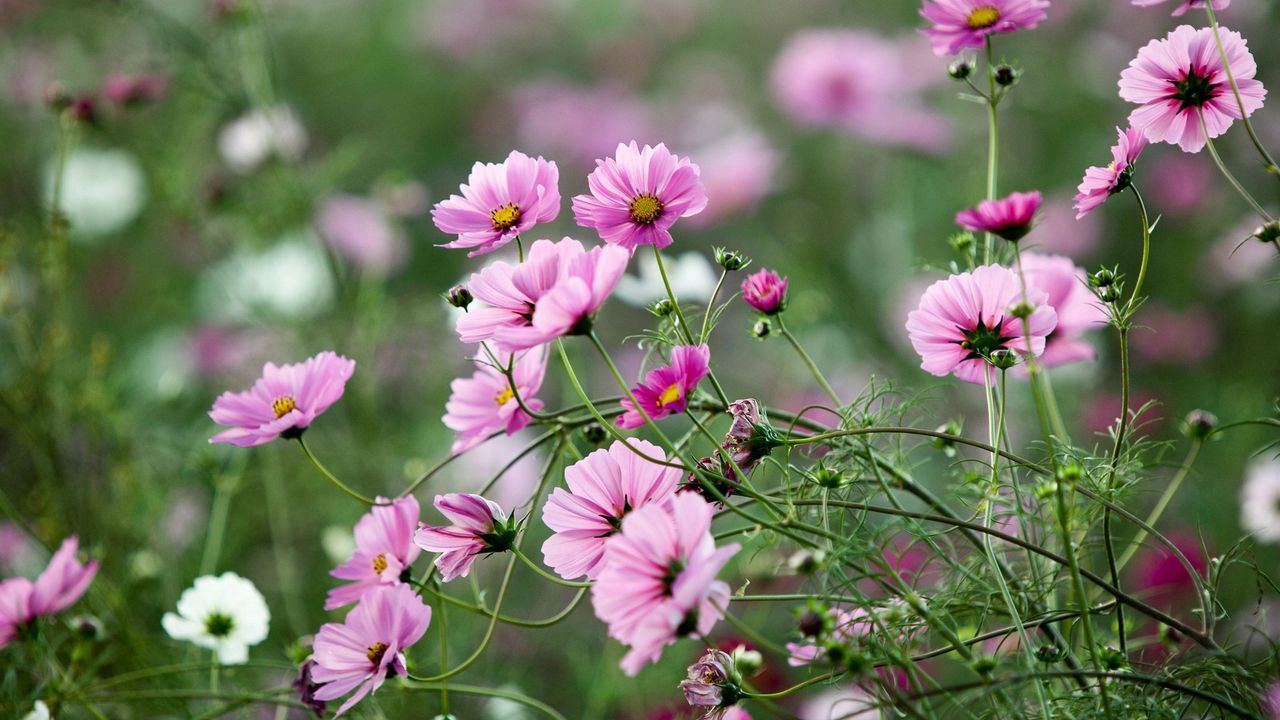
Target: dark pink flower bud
[(765, 291)]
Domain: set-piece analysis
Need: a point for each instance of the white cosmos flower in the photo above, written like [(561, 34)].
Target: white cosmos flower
[(246, 142), (691, 275), (1260, 500), (102, 191), (224, 613), (290, 279), (39, 712)]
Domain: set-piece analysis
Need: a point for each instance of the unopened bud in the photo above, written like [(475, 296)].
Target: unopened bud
[(1021, 311), (1006, 75), (960, 68), (1048, 654), (806, 562), (1199, 424), (747, 661), (962, 242), (1269, 232), (662, 307), (731, 260), (595, 433), (762, 329), (826, 477), (459, 296), (1102, 278), (1002, 359), (810, 624)]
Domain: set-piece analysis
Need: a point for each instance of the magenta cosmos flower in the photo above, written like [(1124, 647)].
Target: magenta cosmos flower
[(384, 551), (1185, 5), (1077, 309), (637, 195), (485, 402), (603, 488), (477, 529), (500, 202), (358, 653), (765, 291), (962, 320), (1180, 79), (659, 578), (1009, 217), (63, 582), (1100, 183), (552, 293), (665, 390), (959, 24), (283, 402)]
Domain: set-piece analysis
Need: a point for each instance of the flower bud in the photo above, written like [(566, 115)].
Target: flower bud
[(1006, 75), (1002, 359), (1102, 278), (82, 110), (87, 627), (731, 260), (962, 242), (948, 447), (747, 661), (984, 665), (762, 329), (1112, 659), (765, 291), (459, 296), (1269, 232), (810, 623), (1070, 475), (1048, 654), (1199, 424), (1021, 311), (661, 307), (826, 477), (595, 433), (806, 562), (960, 68)]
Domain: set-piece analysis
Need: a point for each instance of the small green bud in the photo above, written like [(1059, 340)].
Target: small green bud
[(1021, 311), (1102, 278), (960, 68), (1007, 75), (662, 307), (1112, 659), (731, 260), (984, 665), (1199, 424), (806, 562), (1046, 489), (594, 433), (1048, 653), (826, 477), (1071, 474), (1270, 232), (962, 242), (762, 328), (1002, 359), (459, 296)]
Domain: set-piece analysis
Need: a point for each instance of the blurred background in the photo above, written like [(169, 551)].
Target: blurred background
[(252, 180)]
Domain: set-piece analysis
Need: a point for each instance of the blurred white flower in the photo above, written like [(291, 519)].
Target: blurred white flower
[(504, 709), (247, 142), (841, 704), (692, 279), (338, 542), (1260, 500), (39, 712), (162, 366), (224, 613), (102, 191), (291, 279)]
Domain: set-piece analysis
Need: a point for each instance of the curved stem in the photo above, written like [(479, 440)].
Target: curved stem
[(1268, 161), (808, 361), (325, 472), (1146, 245), (546, 575), (505, 619), (1170, 490), (711, 303), (797, 687), (413, 683), (1217, 160), (993, 144), (675, 304)]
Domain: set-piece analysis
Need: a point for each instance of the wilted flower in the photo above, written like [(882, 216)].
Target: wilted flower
[(1180, 81), (751, 437), (665, 390), (500, 202), (1009, 217), (283, 402), (959, 24), (478, 529), (224, 613), (765, 291), (1100, 183), (384, 550), (306, 687), (712, 683), (638, 194)]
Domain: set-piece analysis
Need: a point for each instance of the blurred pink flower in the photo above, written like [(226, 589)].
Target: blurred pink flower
[(577, 122), (665, 390), (638, 194), (1180, 184), (1060, 232), (959, 24), (485, 402), (358, 653), (848, 703), (1161, 577), (61, 584), (1078, 310), (737, 171), (1164, 336), (1237, 258), (284, 401), (1271, 701), (658, 582), (1100, 183), (361, 232), (500, 202), (1179, 80), (17, 553), (384, 550), (858, 82), (962, 320), (1009, 217), (140, 89), (765, 291), (1102, 410), (603, 488), (477, 529), (1185, 5)]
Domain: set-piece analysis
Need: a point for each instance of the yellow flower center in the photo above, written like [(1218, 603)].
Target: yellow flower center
[(982, 17), (504, 396), (645, 209), (505, 217), (283, 405), (380, 564), (670, 395), (376, 651)]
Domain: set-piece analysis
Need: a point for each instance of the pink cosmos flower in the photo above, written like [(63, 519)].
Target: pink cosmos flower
[(1271, 700), (658, 581), (283, 402), (477, 530), (384, 550), (62, 583), (1077, 309), (485, 402), (962, 320), (665, 390), (552, 293), (135, 89), (638, 194), (738, 168), (1009, 217), (1180, 79), (860, 83), (358, 653), (500, 202), (603, 488), (360, 231), (577, 122), (959, 24), (765, 291), (1185, 5), (1100, 183)]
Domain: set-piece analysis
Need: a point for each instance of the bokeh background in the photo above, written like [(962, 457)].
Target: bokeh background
[(255, 185)]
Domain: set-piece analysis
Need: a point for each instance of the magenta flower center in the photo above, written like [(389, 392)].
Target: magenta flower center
[(982, 17), (376, 651), (982, 341), (1194, 90), (645, 209), (505, 217), (504, 396), (283, 405), (669, 395), (379, 564)]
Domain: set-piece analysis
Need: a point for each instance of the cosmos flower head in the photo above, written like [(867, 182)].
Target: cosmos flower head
[(765, 291), (1077, 309), (224, 613), (958, 24), (1100, 183), (665, 390), (500, 202), (478, 527), (384, 550), (1182, 89), (1010, 217), (638, 194), (486, 402), (283, 402)]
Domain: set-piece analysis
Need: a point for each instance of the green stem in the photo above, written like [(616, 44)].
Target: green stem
[(1170, 490), (1146, 246), (1268, 161), (993, 144), (1068, 549), (1222, 167), (224, 488), (797, 687), (325, 472), (706, 318), (808, 361), (546, 575), (675, 304), (541, 707)]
